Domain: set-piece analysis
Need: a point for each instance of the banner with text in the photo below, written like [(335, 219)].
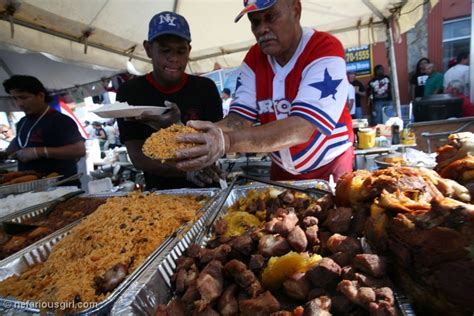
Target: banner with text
[(359, 60)]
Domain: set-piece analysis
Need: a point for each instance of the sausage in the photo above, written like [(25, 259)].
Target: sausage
[(52, 175), (24, 179), (5, 178)]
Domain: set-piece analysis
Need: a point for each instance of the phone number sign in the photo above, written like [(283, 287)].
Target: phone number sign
[(359, 60)]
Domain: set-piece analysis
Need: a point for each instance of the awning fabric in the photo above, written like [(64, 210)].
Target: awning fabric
[(112, 31)]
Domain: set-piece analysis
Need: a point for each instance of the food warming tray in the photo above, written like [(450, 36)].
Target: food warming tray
[(153, 287), (39, 252)]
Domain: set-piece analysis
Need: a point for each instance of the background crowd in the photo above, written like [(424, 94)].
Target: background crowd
[(425, 81)]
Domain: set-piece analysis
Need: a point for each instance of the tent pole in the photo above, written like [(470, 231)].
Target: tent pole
[(5, 67), (393, 68), (471, 58)]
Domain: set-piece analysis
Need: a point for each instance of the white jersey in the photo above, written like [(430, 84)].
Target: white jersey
[(458, 72), (312, 85)]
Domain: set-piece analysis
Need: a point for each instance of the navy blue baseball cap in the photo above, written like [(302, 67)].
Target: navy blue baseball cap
[(254, 5), (167, 22)]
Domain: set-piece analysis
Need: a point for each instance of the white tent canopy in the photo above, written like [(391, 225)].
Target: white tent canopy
[(112, 31), (55, 75)]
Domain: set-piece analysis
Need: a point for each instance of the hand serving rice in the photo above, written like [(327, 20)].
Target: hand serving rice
[(163, 145)]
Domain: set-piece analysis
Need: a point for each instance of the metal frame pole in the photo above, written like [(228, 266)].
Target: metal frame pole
[(393, 66)]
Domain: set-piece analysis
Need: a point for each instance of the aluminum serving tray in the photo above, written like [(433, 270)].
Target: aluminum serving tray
[(32, 211), (153, 287), (39, 252), (27, 186)]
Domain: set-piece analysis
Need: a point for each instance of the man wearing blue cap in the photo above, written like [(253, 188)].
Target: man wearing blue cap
[(190, 98), (293, 82)]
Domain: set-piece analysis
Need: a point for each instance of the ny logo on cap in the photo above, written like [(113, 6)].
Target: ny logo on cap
[(167, 18)]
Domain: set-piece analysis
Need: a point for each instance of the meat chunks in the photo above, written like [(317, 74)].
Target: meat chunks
[(210, 284), (339, 243), (371, 264), (273, 245), (223, 278), (242, 244), (111, 279), (228, 304), (219, 253), (256, 262), (284, 225), (262, 305), (362, 296), (241, 274), (174, 308), (312, 235), (318, 307), (325, 274), (310, 221), (297, 239), (297, 287), (339, 220), (184, 278)]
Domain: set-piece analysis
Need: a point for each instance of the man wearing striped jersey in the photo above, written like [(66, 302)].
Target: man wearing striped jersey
[(293, 82)]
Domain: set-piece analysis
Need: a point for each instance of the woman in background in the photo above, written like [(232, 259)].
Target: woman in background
[(418, 79)]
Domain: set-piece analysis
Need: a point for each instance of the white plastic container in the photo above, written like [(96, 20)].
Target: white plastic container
[(99, 186)]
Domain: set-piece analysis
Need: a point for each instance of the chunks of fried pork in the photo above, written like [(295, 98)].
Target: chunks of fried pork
[(413, 188), (428, 235), (361, 187), (459, 146), (210, 284), (276, 268), (456, 159)]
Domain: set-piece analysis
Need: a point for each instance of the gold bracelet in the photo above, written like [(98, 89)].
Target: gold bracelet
[(45, 151)]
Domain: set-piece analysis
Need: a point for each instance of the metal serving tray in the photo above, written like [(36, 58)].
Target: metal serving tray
[(39, 252), (33, 211), (27, 186), (153, 287)]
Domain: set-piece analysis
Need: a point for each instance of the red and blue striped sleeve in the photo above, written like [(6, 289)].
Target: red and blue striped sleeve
[(244, 102), (322, 94)]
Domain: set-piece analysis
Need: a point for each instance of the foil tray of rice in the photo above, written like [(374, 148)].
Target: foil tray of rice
[(84, 269)]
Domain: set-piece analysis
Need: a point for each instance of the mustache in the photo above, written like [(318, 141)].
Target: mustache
[(266, 37)]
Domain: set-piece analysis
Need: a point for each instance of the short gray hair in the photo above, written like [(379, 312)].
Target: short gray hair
[(456, 84)]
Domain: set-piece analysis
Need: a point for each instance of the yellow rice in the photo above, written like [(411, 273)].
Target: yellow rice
[(124, 230), (162, 145)]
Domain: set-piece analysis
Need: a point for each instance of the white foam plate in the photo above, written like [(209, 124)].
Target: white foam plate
[(119, 110)]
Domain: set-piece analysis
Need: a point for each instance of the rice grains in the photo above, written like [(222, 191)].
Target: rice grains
[(123, 231), (162, 145)]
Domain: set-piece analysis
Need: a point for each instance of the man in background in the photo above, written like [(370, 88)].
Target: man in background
[(380, 94), (226, 101), (456, 88), (109, 129), (6, 136), (47, 141), (359, 90), (434, 83), (459, 72)]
